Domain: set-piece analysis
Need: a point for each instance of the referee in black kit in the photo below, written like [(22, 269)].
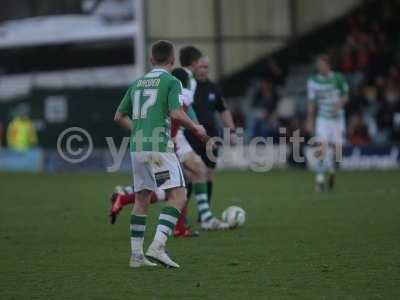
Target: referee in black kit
[(207, 101)]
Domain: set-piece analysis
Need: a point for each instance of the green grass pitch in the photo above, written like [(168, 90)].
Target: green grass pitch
[(55, 242)]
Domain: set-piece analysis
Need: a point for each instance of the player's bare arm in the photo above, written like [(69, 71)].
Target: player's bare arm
[(123, 120), (340, 104), (310, 118), (185, 121), (227, 120)]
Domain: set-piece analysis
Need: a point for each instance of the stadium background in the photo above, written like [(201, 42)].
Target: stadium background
[(261, 53)]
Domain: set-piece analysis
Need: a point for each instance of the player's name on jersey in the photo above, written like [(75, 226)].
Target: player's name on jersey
[(148, 82)]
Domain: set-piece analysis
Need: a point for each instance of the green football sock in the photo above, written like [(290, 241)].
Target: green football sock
[(201, 195), (166, 223), (138, 227)]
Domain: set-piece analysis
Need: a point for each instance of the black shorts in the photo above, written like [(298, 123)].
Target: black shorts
[(200, 149)]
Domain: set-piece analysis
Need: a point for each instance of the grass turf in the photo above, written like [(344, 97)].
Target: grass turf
[(55, 242)]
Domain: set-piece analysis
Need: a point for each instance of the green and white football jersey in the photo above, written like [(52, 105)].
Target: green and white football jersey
[(325, 92), (189, 95), (148, 102), (192, 84)]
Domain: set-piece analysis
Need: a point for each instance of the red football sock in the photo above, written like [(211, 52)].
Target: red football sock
[(126, 199), (129, 198), (181, 224), (153, 198)]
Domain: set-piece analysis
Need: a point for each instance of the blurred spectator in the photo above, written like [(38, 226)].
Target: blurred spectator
[(238, 117), (348, 60), (358, 102), (264, 101), (388, 99), (273, 73), (358, 132), (21, 134), (394, 75), (265, 97), (357, 37)]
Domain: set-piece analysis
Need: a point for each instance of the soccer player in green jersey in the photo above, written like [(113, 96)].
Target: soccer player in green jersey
[(146, 110), (327, 96)]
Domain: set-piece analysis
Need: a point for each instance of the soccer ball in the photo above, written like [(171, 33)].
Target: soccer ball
[(234, 216)]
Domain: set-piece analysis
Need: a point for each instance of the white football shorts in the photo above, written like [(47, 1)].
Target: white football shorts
[(330, 131), (183, 148), (156, 170)]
